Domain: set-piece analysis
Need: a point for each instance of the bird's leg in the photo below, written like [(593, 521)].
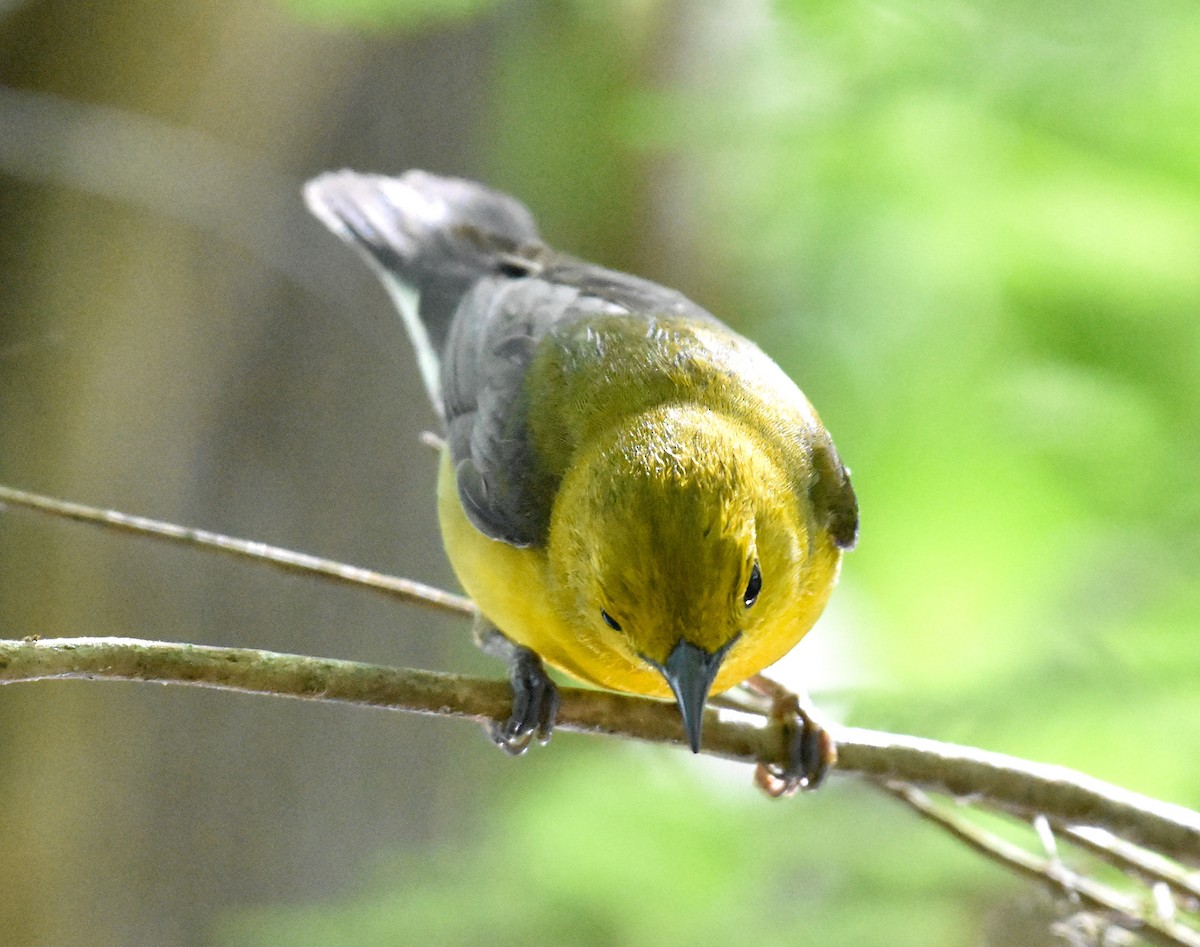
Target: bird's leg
[(810, 752), (535, 698)]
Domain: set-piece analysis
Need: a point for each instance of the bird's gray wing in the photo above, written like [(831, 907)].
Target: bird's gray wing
[(430, 239), (506, 493)]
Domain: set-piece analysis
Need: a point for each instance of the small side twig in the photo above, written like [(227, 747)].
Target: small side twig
[(1137, 862), (404, 590), (1023, 788), (1121, 909)]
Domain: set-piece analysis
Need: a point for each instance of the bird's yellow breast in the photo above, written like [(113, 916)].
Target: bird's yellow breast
[(512, 588)]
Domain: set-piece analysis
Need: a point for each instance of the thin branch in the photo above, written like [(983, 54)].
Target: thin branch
[(1006, 782), (1150, 867), (325, 679), (1124, 909), (404, 590), (1023, 788)]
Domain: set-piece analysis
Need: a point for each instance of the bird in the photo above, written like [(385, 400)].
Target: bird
[(630, 491)]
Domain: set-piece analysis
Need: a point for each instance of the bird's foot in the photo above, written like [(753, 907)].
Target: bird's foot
[(809, 749), (534, 709), (535, 696)]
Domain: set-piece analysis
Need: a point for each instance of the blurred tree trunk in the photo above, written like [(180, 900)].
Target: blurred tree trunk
[(155, 356)]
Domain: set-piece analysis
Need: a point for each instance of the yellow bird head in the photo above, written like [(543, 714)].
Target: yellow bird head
[(680, 544)]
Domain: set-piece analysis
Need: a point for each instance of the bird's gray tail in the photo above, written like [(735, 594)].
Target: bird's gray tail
[(429, 239)]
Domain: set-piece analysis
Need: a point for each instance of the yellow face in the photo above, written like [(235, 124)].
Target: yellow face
[(683, 528)]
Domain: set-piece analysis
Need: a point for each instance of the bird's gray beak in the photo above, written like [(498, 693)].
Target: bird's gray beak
[(690, 671)]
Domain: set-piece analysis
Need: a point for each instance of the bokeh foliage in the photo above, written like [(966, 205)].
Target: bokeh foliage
[(972, 233), (625, 847)]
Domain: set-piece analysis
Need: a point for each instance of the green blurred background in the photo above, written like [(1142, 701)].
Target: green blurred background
[(970, 231)]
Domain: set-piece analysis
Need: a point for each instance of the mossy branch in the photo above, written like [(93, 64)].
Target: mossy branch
[(1014, 785)]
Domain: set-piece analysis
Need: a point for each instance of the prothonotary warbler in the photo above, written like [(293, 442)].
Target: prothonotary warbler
[(629, 491)]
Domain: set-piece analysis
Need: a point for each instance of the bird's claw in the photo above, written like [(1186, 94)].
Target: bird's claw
[(809, 750), (534, 707)]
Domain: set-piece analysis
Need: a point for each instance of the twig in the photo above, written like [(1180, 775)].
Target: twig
[(1136, 861), (1123, 909), (405, 590), (1023, 788), (1006, 782)]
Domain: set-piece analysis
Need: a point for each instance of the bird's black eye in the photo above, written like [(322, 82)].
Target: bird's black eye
[(610, 621), (753, 587)]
